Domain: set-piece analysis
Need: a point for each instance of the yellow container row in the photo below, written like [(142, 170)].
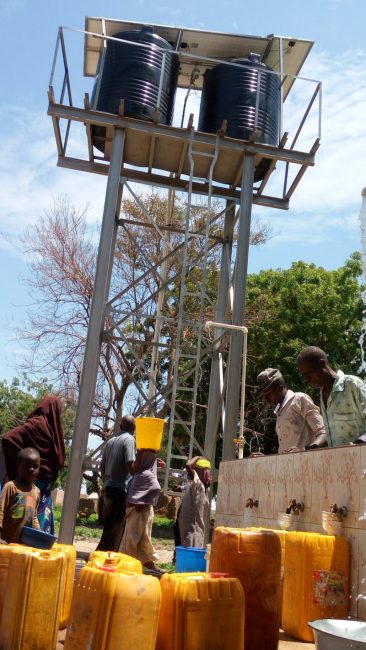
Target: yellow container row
[(113, 605)]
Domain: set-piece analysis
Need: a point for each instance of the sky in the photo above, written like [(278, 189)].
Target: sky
[(322, 223)]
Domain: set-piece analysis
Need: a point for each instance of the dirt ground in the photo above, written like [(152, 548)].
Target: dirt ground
[(164, 550), (285, 643)]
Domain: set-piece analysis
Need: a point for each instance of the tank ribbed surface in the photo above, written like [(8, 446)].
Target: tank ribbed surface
[(132, 73)]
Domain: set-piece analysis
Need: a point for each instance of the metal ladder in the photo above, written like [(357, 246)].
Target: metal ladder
[(185, 384)]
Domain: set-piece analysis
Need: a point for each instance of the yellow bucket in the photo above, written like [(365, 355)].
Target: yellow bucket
[(149, 432)]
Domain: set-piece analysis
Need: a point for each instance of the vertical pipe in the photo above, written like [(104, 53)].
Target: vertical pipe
[(236, 343), (281, 87), (93, 341), (213, 406)]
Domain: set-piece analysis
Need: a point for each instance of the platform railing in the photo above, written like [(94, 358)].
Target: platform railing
[(60, 51)]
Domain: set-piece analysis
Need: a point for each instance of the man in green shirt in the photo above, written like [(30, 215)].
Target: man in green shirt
[(342, 398)]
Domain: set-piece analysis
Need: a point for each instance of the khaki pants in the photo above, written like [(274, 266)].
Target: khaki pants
[(136, 540)]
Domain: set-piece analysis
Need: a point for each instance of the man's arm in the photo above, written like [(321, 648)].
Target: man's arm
[(313, 418), (102, 464), (359, 396), (129, 454), (189, 466), (4, 505)]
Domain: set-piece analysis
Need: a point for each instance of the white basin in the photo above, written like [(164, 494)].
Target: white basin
[(335, 634)]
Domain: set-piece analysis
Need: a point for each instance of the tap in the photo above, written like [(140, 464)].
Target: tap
[(295, 506), (251, 503), (341, 511)]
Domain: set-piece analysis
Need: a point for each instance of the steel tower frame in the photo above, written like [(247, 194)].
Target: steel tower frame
[(202, 164)]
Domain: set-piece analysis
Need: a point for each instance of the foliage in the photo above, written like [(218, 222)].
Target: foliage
[(300, 306), (163, 522), (168, 567), (19, 398)]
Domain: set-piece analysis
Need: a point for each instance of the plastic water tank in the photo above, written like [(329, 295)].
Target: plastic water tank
[(230, 93), (132, 72)]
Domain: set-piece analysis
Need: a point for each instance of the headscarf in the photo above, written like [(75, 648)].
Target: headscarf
[(43, 431), (202, 467), (203, 462)]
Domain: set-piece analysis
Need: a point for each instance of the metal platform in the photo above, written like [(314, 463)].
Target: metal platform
[(158, 155)]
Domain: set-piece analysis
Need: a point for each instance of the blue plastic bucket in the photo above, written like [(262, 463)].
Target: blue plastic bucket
[(190, 559)]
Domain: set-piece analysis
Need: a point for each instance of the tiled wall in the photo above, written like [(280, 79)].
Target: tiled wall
[(317, 478)]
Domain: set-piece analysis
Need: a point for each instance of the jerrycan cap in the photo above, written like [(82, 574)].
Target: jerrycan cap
[(219, 574)]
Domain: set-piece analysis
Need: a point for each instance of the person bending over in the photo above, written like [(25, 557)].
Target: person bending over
[(298, 420), (342, 397)]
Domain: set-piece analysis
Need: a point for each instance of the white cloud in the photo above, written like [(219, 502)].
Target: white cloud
[(326, 202), (29, 177)]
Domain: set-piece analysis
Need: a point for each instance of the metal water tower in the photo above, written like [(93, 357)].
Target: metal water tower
[(146, 149)]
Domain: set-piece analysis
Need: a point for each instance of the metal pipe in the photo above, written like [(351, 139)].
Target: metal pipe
[(213, 405), (282, 78), (241, 269), (244, 331), (93, 342)]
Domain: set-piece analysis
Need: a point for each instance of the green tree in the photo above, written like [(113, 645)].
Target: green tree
[(18, 399), (292, 308)]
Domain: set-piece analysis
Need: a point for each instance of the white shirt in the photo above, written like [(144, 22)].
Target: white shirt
[(298, 421)]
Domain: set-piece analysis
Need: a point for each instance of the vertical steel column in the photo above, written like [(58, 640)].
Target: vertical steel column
[(160, 305), (214, 403), (233, 372), (93, 340)]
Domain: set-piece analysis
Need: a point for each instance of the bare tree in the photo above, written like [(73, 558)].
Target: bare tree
[(62, 258)]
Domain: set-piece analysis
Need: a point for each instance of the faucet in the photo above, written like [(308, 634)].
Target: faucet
[(295, 506), (251, 503), (341, 511)]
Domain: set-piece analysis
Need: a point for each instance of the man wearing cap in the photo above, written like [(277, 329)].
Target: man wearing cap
[(299, 424)]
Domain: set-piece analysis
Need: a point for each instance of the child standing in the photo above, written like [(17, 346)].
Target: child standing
[(20, 498), (142, 494), (195, 503)]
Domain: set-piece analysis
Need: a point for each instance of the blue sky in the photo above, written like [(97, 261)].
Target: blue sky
[(322, 223)]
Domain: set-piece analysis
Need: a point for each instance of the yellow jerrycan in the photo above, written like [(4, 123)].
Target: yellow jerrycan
[(5, 552), (121, 561), (254, 557), (316, 581), (281, 534), (200, 610), (113, 610), (69, 552), (32, 607)]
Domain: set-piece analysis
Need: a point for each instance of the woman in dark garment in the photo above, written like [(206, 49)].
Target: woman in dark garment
[(42, 430)]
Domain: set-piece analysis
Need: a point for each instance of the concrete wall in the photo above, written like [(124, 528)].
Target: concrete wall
[(317, 478)]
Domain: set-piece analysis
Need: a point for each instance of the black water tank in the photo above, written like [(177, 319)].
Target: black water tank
[(132, 73), (230, 93)]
